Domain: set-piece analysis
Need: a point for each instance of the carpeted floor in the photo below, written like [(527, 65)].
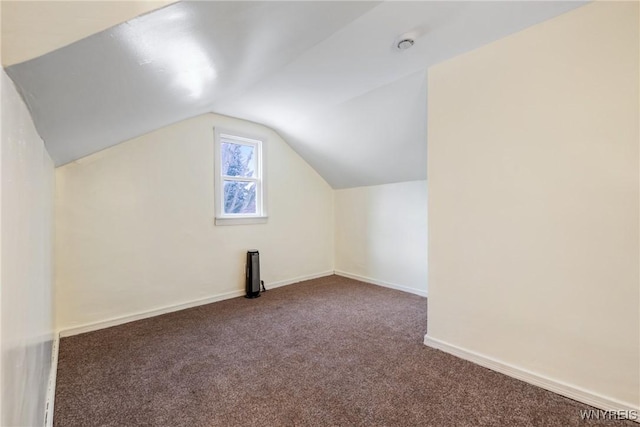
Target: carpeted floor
[(326, 352)]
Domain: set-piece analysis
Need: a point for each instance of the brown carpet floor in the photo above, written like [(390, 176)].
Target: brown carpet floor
[(326, 352)]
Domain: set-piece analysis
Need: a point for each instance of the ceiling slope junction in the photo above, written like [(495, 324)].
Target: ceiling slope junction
[(325, 75)]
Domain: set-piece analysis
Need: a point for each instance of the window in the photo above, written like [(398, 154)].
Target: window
[(239, 181)]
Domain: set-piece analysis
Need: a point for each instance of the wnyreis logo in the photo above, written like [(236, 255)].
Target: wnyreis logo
[(614, 415)]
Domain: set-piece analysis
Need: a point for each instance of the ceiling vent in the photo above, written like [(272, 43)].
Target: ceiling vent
[(405, 44)]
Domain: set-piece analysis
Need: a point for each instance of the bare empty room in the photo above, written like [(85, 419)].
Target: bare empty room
[(320, 213)]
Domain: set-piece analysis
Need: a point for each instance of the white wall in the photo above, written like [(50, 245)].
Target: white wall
[(135, 224), (26, 264), (533, 201), (381, 234)]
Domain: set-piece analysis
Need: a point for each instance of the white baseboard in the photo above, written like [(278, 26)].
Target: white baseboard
[(297, 279), (115, 321), (572, 392), (94, 326), (51, 387), (381, 283)]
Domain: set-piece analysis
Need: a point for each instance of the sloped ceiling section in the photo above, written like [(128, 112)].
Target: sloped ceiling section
[(325, 75)]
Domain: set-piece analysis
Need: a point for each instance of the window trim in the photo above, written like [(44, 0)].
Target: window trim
[(259, 142)]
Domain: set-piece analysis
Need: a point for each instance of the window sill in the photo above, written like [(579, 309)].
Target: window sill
[(242, 221)]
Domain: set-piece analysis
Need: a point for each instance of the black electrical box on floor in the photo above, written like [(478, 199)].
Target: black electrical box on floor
[(253, 274)]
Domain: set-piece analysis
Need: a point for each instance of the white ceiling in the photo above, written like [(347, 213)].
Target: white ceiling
[(325, 75)]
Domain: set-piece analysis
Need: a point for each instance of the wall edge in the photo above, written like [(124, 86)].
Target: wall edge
[(556, 386), (381, 283)]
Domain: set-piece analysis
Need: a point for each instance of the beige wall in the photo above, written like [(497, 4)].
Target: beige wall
[(33, 28), (381, 235), (533, 198), (135, 224), (26, 255)]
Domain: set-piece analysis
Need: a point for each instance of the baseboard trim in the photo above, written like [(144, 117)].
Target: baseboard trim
[(381, 283), (298, 279), (115, 321), (572, 392), (51, 387)]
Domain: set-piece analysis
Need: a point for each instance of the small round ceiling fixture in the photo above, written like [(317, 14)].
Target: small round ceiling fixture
[(405, 44)]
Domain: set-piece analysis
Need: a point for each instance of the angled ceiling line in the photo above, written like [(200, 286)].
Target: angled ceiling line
[(325, 75)]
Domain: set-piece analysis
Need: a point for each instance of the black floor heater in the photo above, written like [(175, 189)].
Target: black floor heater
[(253, 274)]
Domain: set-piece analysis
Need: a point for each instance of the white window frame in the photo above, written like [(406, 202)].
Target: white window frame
[(258, 143)]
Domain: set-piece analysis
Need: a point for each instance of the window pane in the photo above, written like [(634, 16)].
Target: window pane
[(239, 197), (238, 160)]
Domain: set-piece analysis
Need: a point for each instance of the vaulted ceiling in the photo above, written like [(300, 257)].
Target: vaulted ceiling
[(325, 75)]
